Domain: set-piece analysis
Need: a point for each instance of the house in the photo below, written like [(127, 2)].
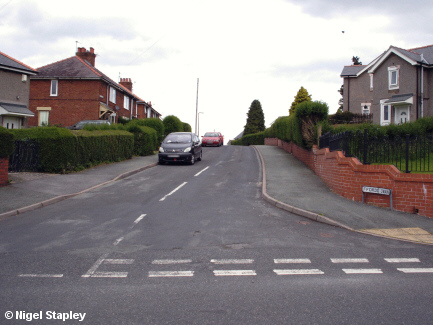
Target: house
[(71, 90), (396, 87), (14, 92)]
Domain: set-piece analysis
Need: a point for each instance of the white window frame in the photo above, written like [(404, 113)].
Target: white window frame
[(126, 102), (54, 89), (364, 110), (371, 81), (384, 121), (391, 71), (43, 115), (112, 95)]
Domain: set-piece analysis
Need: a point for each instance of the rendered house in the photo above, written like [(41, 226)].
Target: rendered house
[(14, 92), (66, 92), (396, 87)]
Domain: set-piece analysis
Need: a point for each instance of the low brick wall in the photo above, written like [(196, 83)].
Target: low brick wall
[(4, 165), (345, 176)]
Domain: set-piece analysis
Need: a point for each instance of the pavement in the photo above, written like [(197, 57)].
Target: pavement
[(287, 183)]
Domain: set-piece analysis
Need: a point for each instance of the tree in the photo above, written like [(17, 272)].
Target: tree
[(255, 119), (301, 96)]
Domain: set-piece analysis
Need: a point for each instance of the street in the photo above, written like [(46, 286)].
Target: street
[(180, 244)]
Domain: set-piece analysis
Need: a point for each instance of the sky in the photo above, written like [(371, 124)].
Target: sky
[(230, 52)]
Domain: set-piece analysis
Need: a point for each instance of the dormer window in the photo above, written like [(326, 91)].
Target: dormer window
[(393, 77)]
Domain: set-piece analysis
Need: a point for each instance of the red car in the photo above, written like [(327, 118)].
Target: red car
[(212, 139)]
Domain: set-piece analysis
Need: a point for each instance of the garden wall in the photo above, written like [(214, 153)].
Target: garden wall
[(412, 193), (4, 165)]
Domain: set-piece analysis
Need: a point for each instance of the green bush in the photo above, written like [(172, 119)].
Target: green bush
[(250, 139), (154, 123), (145, 139), (172, 124), (186, 127), (6, 142), (308, 115)]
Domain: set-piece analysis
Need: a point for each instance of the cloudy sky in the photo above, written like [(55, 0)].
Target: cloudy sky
[(240, 50)]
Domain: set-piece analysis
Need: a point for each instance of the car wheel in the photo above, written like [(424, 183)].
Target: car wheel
[(192, 159)]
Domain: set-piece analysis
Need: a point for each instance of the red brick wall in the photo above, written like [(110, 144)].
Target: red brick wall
[(4, 164), (412, 193)]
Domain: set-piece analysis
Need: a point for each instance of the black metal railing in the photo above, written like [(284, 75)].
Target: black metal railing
[(408, 154), (25, 156)]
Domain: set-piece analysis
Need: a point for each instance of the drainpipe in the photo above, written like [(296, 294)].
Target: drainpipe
[(348, 94), (422, 91)]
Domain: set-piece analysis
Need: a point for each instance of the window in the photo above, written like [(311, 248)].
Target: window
[(371, 81), (365, 108), (126, 102), (112, 95), (54, 87), (43, 118), (393, 77), (385, 112)]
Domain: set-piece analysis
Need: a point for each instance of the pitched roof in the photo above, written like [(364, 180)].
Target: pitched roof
[(8, 62), (421, 55), (351, 70), (77, 68)]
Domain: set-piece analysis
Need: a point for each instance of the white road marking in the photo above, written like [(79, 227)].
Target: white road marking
[(156, 274), (291, 260), (362, 271), (234, 272), (109, 275), (118, 261), (416, 270), (402, 260), (118, 240), (176, 189), (167, 262), (201, 171), (299, 272), (41, 275), (139, 218), (232, 261), (95, 266), (349, 260)]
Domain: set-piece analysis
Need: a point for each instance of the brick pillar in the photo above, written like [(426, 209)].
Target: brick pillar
[(4, 165)]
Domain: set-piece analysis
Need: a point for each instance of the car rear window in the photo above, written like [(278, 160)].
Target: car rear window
[(211, 135), (178, 138)]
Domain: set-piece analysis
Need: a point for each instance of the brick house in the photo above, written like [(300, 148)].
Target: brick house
[(14, 92), (395, 87), (66, 92)]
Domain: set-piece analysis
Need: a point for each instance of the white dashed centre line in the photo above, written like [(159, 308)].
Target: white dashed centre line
[(174, 191), (41, 275), (416, 270), (201, 171), (362, 271), (291, 260), (139, 219), (168, 262), (156, 274), (349, 260)]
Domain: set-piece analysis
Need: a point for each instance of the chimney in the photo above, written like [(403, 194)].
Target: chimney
[(88, 56), (127, 83)]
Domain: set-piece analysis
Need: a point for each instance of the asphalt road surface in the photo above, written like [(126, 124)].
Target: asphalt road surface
[(180, 244)]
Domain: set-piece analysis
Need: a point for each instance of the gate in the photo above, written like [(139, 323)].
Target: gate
[(25, 156)]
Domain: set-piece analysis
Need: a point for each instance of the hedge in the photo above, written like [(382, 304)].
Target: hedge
[(154, 123), (62, 150), (250, 139), (6, 142), (145, 139)]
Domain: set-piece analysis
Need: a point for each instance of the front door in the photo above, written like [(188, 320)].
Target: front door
[(10, 122), (402, 114)]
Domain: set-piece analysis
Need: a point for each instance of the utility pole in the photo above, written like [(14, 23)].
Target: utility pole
[(196, 110)]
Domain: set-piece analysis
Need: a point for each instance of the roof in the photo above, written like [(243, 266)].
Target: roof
[(403, 98), (351, 70), (15, 109), (9, 63), (77, 68), (416, 56)]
